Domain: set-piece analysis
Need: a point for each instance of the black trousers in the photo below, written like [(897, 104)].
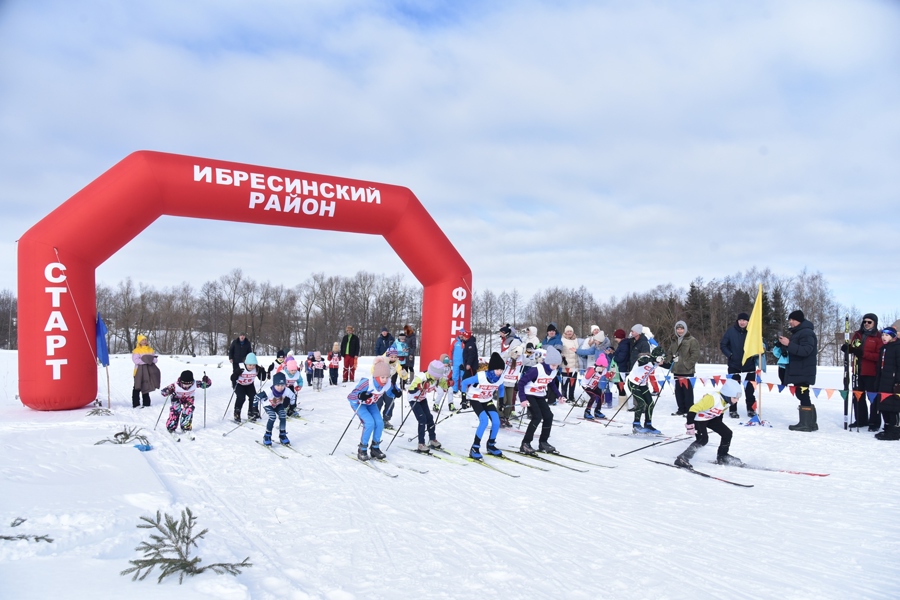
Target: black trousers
[(426, 421), (684, 392), (703, 427), (540, 412)]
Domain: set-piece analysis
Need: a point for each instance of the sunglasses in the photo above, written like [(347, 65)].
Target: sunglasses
[(869, 321)]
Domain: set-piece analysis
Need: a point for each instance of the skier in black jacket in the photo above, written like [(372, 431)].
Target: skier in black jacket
[(732, 346)]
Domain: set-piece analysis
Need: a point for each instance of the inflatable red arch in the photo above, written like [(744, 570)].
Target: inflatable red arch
[(57, 257)]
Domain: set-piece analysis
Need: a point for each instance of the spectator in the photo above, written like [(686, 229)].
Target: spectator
[(350, 354), (683, 355), (470, 365), (888, 385), (385, 340), (732, 346), (146, 374), (412, 341), (865, 346), (237, 352), (621, 357), (569, 367), (801, 369)]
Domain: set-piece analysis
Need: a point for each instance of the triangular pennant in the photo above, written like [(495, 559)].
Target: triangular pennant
[(816, 391), (693, 380), (792, 389), (771, 385), (871, 396), (858, 394), (754, 384)]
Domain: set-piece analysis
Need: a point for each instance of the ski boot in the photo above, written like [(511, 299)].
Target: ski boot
[(475, 450), (376, 452), (526, 448), (751, 413), (733, 414), (253, 418), (598, 414), (434, 444), (649, 428), (237, 418), (636, 427), (388, 426), (588, 415), (682, 462), (267, 438), (361, 453), (423, 449), (493, 449), (290, 411), (283, 438), (451, 407), (546, 447), (435, 407), (729, 460), (504, 422)]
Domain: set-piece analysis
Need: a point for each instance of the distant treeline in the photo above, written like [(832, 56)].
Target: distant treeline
[(312, 315)]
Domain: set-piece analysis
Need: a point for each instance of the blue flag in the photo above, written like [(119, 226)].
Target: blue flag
[(102, 348)]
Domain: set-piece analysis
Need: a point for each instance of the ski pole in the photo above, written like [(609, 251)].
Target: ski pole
[(355, 412), (402, 422), (235, 429), (617, 411), (676, 438), (451, 415), (160, 414), (233, 390), (204, 401)]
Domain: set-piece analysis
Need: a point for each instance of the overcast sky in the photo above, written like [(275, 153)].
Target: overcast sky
[(614, 144)]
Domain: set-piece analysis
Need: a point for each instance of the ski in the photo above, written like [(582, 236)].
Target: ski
[(536, 457), (371, 466), (757, 468), (271, 449), (664, 442), (175, 436), (605, 422), (701, 473), (289, 447), (518, 462), (432, 455), (400, 466), (481, 462), (587, 462)]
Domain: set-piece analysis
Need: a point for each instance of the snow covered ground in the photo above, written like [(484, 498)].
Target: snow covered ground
[(329, 527)]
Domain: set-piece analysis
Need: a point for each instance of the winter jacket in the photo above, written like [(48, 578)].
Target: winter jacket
[(148, 377), (350, 345), (456, 354), (383, 343), (555, 341), (239, 350), (888, 380), (781, 354), (866, 347), (470, 355), (587, 354), (803, 354), (569, 355), (688, 353), (622, 355), (412, 341), (732, 346), (639, 346)]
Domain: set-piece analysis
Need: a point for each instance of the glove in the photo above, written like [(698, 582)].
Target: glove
[(675, 360), (844, 347), (660, 360), (207, 381), (689, 429), (610, 375), (363, 396), (396, 392)]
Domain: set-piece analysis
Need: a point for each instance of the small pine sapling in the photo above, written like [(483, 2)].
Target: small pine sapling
[(126, 436), (37, 538), (170, 550)]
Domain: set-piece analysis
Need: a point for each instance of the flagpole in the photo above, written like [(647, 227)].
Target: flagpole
[(107, 387)]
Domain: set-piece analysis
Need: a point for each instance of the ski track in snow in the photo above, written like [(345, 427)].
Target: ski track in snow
[(324, 527)]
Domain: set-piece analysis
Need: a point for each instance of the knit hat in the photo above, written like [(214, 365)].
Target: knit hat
[(552, 327), (742, 316), (391, 353), (602, 361), (515, 348), (873, 317), (279, 354), (731, 389), (796, 315), (186, 377), (552, 356), (436, 369), (506, 329), (290, 364), (638, 329), (496, 362), (279, 379), (529, 346), (593, 327), (462, 332), (385, 330), (619, 334), (251, 359), (445, 359), (600, 336), (401, 334), (890, 331), (568, 329), (381, 370)]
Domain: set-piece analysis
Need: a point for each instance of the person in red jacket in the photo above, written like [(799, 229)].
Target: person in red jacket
[(865, 346)]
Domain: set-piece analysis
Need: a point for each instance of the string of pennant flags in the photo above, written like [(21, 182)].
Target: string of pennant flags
[(717, 380)]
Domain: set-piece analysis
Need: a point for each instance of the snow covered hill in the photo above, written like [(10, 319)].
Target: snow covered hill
[(326, 526)]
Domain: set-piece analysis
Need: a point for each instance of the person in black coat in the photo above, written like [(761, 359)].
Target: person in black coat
[(803, 350), (384, 341), (470, 364), (639, 345), (888, 385), (237, 352), (732, 346)]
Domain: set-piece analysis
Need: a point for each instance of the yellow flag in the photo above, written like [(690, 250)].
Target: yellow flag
[(753, 344)]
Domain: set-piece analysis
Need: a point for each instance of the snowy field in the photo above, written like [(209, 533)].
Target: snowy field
[(329, 527)]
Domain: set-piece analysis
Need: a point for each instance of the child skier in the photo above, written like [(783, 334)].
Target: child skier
[(398, 376), (244, 387), (421, 384), (479, 390), (310, 358), (334, 363), (318, 370), (513, 369), (278, 365), (294, 383), (402, 349), (638, 385), (444, 385), (274, 401), (594, 378), (364, 402), (533, 385), (182, 392), (707, 414)]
